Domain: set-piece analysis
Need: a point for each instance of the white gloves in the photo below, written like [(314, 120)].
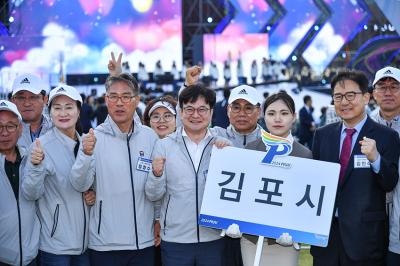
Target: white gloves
[(232, 231), (286, 240)]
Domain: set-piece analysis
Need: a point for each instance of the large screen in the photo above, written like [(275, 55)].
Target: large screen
[(78, 36)]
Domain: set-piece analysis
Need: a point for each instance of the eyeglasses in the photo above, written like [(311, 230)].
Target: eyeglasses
[(202, 110), (167, 117), (248, 108), (350, 96), (394, 88), (10, 128), (33, 98), (124, 98)]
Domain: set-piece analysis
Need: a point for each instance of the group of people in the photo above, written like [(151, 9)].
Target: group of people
[(109, 197)]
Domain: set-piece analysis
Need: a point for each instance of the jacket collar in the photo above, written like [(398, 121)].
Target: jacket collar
[(109, 127)]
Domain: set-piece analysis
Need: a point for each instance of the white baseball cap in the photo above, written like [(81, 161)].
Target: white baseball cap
[(27, 82), (164, 104), (387, 72), (9, 106), (66, 90), (245, 92)]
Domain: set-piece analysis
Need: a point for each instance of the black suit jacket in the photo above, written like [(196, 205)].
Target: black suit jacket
[(361, 198), (306, 119)]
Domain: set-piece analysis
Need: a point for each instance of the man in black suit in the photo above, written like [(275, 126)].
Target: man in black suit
[(307, 125), (368, 154)]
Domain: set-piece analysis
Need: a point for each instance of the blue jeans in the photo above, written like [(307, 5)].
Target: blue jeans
[(193, 254), (49, 259), (141, 257)]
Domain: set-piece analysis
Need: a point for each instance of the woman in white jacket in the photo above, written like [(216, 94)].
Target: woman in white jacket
[(62, 210)]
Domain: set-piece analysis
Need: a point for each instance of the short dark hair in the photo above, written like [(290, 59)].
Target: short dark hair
[(193, 92), (167, 98), (354, 75), (306, 98), (283, 96), (124, 77)]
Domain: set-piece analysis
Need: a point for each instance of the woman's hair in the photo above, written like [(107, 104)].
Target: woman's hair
[(78, 125), (146, 116), (283, 96)]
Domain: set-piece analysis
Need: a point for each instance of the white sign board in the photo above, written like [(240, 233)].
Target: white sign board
[(293, 195)]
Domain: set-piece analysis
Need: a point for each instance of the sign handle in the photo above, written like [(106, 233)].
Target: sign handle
[(259, 249)]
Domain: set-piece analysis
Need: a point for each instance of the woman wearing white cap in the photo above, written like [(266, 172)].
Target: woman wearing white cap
[(160, 115), (62, 210)]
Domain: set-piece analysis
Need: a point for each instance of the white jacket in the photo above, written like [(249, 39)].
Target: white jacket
[(62, 210), (122, 217), (19, 224)]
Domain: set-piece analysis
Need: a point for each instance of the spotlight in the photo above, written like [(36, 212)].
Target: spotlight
[(316, 27), (11, 19), (365, 27), (268, 28), (209, 19), (294, 58)]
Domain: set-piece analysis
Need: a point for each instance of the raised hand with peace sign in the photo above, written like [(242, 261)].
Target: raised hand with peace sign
[(115, 66)]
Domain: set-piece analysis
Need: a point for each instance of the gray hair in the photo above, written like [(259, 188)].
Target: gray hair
[(126, 78)]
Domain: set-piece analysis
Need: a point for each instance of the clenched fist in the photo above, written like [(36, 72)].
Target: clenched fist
[(158, 166), (37, 154), (88, 142), (192, 75), (368, 148)]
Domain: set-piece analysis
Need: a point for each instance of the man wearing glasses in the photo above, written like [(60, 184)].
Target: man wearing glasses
[(243, 112), (29, 95), (20, 227), (118, 154), (386, 92), (368, 154), (180, 166)]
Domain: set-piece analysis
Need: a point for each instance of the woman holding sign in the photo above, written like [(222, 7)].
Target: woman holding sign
[(63, 212), (279, 115)]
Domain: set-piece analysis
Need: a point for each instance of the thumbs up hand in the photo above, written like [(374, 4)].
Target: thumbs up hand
[(37, 153), (158, 166), (88, 142)]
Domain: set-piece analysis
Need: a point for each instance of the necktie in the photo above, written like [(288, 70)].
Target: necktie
[(76, 148), (345, 153)]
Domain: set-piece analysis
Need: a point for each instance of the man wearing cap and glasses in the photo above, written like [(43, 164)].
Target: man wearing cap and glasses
[(29, 95), (20, 227), (386, 91)]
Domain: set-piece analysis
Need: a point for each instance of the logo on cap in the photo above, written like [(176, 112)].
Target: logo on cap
[(3, 104), (243, 91), (61, 89), (25, 80), (388, 72)]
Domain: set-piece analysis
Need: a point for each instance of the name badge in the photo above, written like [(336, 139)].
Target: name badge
[(143, 164), (361, 161)]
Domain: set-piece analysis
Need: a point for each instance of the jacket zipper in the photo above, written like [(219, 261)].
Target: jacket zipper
[(98, 226), (197, 185), (84, 223), (19, 235), (244, 140), (55, 220), (166, 211), (133, 190)]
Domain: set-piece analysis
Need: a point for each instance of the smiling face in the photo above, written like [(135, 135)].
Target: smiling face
[(279, 119), (243, 116), (387, 95), (351, 111), (196, 116), (10, 132), (162, 121), (121, 112), (29, 105), (64, 113)]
